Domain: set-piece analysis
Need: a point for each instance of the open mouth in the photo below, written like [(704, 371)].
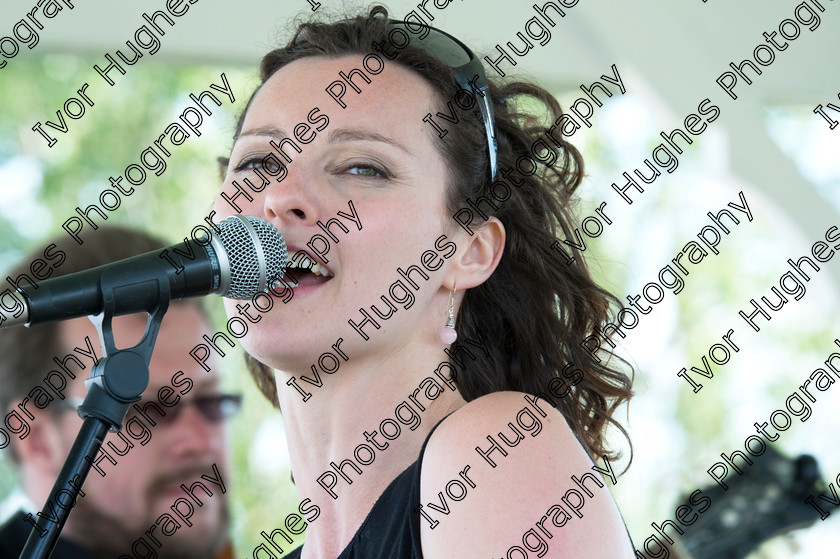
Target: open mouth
[(303, 271)]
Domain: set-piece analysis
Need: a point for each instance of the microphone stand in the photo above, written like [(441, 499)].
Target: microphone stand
[(115, 382)]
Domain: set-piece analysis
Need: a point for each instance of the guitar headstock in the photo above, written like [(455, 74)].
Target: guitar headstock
[(768, 500)]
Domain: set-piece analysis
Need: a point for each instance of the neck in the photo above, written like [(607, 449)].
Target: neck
[(371, 418)]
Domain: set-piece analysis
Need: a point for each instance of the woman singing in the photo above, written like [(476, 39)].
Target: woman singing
[(437, 398)]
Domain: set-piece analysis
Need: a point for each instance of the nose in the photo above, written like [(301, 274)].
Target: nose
[(291, 200), (191, 434)]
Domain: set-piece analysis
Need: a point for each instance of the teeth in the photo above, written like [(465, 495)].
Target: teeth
[(298, 258), (320, 270)]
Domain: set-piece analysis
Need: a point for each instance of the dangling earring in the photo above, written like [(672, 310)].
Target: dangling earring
[(448, 335)]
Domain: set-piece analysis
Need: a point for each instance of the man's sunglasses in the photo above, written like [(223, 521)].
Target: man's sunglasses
[(469, 73), (213, 408)]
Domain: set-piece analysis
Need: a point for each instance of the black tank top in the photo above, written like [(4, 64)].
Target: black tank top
[(391, 529)]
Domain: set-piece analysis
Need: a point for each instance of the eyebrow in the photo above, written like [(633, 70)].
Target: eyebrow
[(264, 131), (335, 136), (360, 134), (198, 384)]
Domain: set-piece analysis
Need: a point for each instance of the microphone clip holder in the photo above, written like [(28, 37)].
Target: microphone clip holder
[(116, 381)]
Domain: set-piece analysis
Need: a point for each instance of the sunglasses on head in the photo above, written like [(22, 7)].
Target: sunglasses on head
[(469, 73), (214, 407), (468, 70)]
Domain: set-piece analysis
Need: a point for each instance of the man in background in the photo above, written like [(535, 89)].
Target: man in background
[(172, 445)]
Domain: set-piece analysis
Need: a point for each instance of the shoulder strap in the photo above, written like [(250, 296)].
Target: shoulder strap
[(414, 497)]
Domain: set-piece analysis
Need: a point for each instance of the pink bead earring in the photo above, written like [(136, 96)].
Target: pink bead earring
[(448, 335)]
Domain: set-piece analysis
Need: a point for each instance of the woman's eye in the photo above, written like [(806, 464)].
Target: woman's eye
[(366, 170), (251, 163)]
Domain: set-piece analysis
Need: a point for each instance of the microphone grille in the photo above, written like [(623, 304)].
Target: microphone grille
[(255, 252)]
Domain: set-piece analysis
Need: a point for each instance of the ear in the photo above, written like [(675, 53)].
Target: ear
[(481, 254), (40, 451)]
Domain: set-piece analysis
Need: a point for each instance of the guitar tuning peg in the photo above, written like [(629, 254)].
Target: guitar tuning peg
[(807, 470)]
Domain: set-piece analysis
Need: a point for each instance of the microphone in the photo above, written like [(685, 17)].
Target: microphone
[(241, 259)]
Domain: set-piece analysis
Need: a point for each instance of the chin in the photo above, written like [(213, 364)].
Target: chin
[(288, 346), (208, 532)]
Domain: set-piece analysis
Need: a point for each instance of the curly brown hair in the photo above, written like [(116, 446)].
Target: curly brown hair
[(535, 309)]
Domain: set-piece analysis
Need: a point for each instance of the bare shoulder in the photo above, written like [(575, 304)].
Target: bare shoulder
[(506, 471)]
